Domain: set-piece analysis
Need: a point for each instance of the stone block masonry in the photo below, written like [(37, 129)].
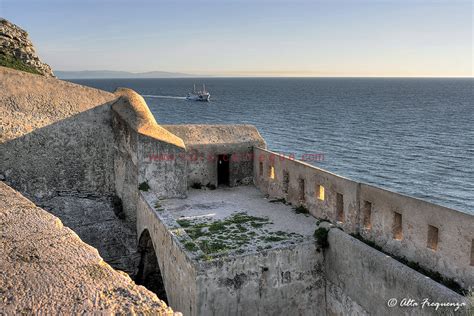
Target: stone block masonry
[(225, 248), (397, 223), (271, 270)]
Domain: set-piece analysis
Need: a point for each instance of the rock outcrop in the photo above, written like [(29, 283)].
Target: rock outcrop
[(17, 50)]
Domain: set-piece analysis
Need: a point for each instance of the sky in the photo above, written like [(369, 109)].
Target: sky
[(381, 38)]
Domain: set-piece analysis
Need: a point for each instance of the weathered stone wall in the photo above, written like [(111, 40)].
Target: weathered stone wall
[(362, 279), (46, 269), (57, 148), (284, 280), (56, 136), (205, 142), (126, 165), (453, 232), (176, 266), (99, 223), (138, 137), (202, 164), (166, 177), (348, 278), (452, 255), (281, 281), (294, 172)]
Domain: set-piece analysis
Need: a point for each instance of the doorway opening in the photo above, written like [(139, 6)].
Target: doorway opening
[(223, 170)]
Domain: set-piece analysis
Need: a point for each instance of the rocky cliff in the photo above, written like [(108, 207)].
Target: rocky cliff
[(18, 52)]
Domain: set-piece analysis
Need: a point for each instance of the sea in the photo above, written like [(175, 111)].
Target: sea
[(414, 136)]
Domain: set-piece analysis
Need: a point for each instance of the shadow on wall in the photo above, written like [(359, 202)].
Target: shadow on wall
[(149, 273), (75, 154), (67, 168)]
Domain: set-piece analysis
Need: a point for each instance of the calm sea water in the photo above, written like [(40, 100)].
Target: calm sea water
[(413, 136)]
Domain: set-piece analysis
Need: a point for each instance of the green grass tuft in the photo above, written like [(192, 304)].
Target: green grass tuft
[(190, 246), (184, 223), (13, 62), (144, 186)]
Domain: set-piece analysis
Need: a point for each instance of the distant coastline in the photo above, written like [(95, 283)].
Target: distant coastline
[(111, 74)]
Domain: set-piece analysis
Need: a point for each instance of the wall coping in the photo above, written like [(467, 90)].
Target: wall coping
[(414, 199), (217, 134), (132, 108), (305, 164)]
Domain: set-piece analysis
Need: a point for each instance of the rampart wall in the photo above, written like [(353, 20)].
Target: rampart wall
[(437, 238)]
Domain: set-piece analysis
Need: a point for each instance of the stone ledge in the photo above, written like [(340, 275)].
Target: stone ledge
[(46, 268), (132, 108)]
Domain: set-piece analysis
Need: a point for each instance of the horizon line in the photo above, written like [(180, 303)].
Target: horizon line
[(289, 77), (184, 74)]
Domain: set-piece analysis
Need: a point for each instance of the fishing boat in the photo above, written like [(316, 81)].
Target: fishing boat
[(201, 95)]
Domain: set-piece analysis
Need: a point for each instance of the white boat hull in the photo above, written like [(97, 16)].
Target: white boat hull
[(199, 97)]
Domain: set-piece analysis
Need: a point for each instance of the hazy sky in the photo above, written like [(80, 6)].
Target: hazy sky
[(254, 37)]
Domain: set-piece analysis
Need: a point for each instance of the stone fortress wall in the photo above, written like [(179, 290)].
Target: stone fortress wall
[(57, 148), (205, 142), (106, 140), (437, 238)]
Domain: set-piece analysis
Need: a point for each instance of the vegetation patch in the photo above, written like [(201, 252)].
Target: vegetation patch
[(15, 63), (144, 186), (217, 226), (301, 209), (196, 185), (210, 186), (190, 246), (212, 246), (321, 235), (184, 223), (436, 276), (235, 233)]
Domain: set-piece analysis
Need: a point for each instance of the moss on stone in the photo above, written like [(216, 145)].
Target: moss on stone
[(211, 247), (190, 246), (184, 223), (144, 186), (232, 233)]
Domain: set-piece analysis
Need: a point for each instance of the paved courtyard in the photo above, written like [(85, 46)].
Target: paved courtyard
[(238, 220)]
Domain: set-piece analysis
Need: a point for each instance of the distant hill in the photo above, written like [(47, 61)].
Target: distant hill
[(109, 74)]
